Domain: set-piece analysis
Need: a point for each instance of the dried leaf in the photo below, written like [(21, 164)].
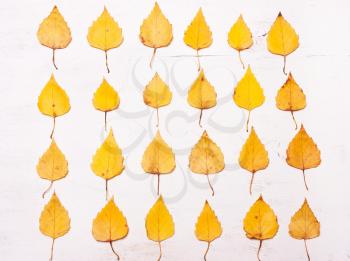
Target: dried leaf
[(106, 99), (304, 225), (105, 34), (260, 223), (206, 158), (198, 35), (108, 160), (208, 227), (156, 31), (240, 37), (282, 39), (52, 165), (54, 32), (157, 94), (159, 224), (302, 152), (290, 97), (54, 220), (201, 95), (53, 101), (248, 93), (253, 156), (158, 158), (110, 225)]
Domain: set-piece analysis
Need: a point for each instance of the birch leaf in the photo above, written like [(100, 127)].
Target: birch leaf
[(159, 224), (158, 158), (157, 94), (54, 220), (156, 31), (206, 158), (248, 93), (53, 101), (253, 156), (201, 95), (282, 39), (304, 225), (52, 165), (260, 223), (198, 35), (106, 99), (54, 32), (208, 227), (290, 97), (108, 160), (110, 225), (302, 153), (240, 37), (105, 34)]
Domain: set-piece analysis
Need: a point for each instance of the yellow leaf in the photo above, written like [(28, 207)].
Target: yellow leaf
[(156, 31), (248, 93), (290, 97), (110, 225), (208, 227), (108, 160), (240, 37), (198, 35), (282, 38), (54, 220), (253, 156), (158, 158), (157, 94), (53, 101), (105, 33), (302, 152), (304, 225), (202, 94), (260, 223), (206, 158), (54, 32), (52, 165), (159, 223)]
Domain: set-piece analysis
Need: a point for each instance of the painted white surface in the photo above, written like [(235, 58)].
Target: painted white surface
[(320, 66)]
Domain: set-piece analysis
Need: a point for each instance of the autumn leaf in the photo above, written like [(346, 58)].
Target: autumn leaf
[(159, 224), (240, 37), (201, 95), (105, 99), (54, 32), (290, 97), (157, 94), (198, 35), (158, 158), (52, 165), (206, 158), (302, 153), (253, 156), (282, 39), (54, 220), (53, 101), (304, 225), (108, 160), (110, 225), (208, 227), (248, 93), (260, 223), (156, 31), (105, 34)]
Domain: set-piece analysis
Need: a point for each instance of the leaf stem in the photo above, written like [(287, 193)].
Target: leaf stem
[(307, 251), (247, 124), (52, 245), (198, 61), (158, 184), (110, 243), (47, 190), (307, 188), (105, 121), (106, 58), (53, 59), (160, 251), (295, 122), (106, 189), (157, 117), (258, 253), (206, 252), (240, 59), (251, 183), (200, 118), (53, 127), (152, 58), (284, 64), (211, 187)]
